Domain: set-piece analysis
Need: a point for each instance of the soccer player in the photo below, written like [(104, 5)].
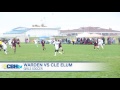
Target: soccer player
[(119, 40), (4, 47), (10, 43), (100, 43), (43, 44), (36, 43), (56, 44), (18, 42), (60, 47), (14, 42), (95, 43)]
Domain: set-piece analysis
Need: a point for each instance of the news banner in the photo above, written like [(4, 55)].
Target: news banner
[(51, 66)]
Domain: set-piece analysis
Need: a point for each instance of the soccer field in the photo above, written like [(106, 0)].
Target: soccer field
[(29, 52)]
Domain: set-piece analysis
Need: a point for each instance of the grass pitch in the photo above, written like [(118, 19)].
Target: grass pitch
[(29, 52)]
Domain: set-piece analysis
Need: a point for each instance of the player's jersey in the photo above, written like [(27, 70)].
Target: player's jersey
[(60, 45), (9, 42), (18, 41), (42, 42), (14, 42), (100, 41), (56, 43), (4, 45), (35, 41), (95, 42)]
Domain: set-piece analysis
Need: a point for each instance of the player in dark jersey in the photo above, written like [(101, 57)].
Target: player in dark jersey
[(14, 42), (43, 44), (18, 42), (95, 43), (60, 46)]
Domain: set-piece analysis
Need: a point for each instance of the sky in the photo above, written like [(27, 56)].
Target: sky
[(65, 20)]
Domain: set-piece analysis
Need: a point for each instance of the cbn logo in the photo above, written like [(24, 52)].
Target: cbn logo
[(12, 66)]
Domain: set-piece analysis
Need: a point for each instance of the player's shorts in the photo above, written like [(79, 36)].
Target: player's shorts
[(14, 45), (56, 48), (18, 42), (43, 45), (95, 44)]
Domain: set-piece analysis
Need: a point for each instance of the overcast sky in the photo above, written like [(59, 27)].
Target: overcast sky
[(65, 20)]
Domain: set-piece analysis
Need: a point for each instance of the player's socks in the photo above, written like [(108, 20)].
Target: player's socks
[(62, 51)]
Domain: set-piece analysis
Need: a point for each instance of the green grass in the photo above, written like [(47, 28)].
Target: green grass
[(29, 52)]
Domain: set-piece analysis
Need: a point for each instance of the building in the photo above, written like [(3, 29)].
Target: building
[(43, 31), (23, 32), (91, 30)]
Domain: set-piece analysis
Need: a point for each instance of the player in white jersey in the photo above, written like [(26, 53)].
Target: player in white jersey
[(4, 47), (56, 44), (100, 43), (36, 43), (10, 43)]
